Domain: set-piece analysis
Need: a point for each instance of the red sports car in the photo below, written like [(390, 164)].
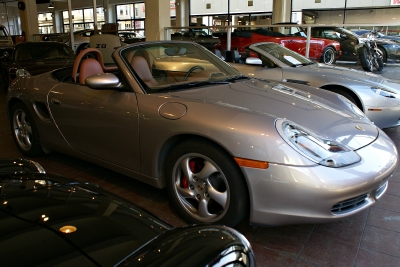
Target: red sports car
[(322, 50)]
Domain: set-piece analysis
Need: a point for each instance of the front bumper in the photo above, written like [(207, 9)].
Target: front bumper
[(384, 117), (285, 194)]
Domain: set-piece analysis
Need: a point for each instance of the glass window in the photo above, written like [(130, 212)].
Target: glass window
[(45, 21), (83, 19)]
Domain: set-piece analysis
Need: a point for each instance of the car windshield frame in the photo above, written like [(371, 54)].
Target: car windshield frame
[(282, 54), (176, 66)]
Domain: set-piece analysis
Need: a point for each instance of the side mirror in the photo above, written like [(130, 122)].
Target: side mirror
[(103, 81), (253, 61)]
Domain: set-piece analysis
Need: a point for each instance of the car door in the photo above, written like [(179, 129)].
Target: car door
[(99, 123)]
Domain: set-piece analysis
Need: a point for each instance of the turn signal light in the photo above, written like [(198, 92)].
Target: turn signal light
[(251, 163)]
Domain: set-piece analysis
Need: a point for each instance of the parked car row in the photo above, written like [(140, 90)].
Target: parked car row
[(350, 41), (175, 116)]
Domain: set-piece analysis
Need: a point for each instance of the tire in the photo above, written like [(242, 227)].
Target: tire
[(348, 96), (24, 131), (384, 54), (81, 47), (378, 63), (365, 61), (328, 56), (215, 190)]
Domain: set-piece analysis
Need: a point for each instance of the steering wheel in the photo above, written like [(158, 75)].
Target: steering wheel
[(191, 70)]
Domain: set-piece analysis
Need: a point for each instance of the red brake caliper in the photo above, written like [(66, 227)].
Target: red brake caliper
[(195, 166)]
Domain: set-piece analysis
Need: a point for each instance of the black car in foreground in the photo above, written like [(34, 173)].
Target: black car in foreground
[(49, 220), (33, 58)]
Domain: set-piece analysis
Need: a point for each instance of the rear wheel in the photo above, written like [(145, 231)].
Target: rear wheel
[(377, 62), (328, 56), (24, 131), (383, 53), (205, 185)]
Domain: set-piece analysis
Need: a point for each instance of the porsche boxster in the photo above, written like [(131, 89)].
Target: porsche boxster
[(378, 97), (226, 147)]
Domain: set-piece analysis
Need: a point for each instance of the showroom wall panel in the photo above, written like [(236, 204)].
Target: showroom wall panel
[(236, 6), (312, 4)]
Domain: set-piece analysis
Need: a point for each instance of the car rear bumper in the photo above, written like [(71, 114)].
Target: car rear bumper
[(285, 194)]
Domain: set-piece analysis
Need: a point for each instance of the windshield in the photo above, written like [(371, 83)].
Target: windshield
[(348, 33), (42, 50), (285, 55), (176, 66)]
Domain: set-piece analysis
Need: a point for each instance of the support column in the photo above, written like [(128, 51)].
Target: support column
[(281, 12), (109, 12), (29, 19), (157, 17), (182, 13)]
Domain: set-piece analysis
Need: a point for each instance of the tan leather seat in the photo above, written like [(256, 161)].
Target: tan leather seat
[(141, 67), (89, 67)]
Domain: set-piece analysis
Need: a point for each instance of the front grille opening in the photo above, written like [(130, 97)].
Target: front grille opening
[(349, 204)]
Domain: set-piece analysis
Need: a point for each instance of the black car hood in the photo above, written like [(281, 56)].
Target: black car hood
[(34, 209), (36, 67)]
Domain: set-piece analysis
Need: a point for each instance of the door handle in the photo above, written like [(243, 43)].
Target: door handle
[(55, 101)]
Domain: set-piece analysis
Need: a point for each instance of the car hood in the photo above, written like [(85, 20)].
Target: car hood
[(379, 41), (339, 73), (35, 208), (36, 67), (276, 100)]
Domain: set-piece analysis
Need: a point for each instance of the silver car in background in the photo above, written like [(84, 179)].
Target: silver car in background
[(225, 146), (377, 96)]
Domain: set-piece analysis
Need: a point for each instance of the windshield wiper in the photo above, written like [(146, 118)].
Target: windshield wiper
[(202, 83)]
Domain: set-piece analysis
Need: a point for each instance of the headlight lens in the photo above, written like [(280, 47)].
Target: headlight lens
[(22, 72), (316, 148), (384, 92)]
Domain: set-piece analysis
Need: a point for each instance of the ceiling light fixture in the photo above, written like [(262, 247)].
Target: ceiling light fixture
[(51, 5)]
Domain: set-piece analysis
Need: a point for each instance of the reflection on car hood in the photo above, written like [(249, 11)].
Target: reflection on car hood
[(33, 209), (36, 67), (277, 100), (339, 73)]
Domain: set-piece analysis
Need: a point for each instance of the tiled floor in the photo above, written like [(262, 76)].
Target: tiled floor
[(370, 238)]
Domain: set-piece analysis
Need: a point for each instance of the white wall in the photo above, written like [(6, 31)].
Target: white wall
[(236, 6)]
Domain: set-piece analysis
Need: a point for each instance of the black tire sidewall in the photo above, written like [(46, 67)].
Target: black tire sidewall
[(362, 54), (328, 50), (36, 148), (238, 192), (380, 64)]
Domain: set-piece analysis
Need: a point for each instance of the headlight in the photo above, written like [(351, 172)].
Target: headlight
[(22, 72), (384, 92), (318, 149)]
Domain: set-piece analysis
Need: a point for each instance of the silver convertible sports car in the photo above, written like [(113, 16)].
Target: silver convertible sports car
[(377, 96), (226, 147)]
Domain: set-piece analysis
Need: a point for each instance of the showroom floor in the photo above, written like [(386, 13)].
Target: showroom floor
[(370, 238)]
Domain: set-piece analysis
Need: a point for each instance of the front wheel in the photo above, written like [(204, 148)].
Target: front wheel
[(24, 131), (205, 185), (328, 56), (365, 59)]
